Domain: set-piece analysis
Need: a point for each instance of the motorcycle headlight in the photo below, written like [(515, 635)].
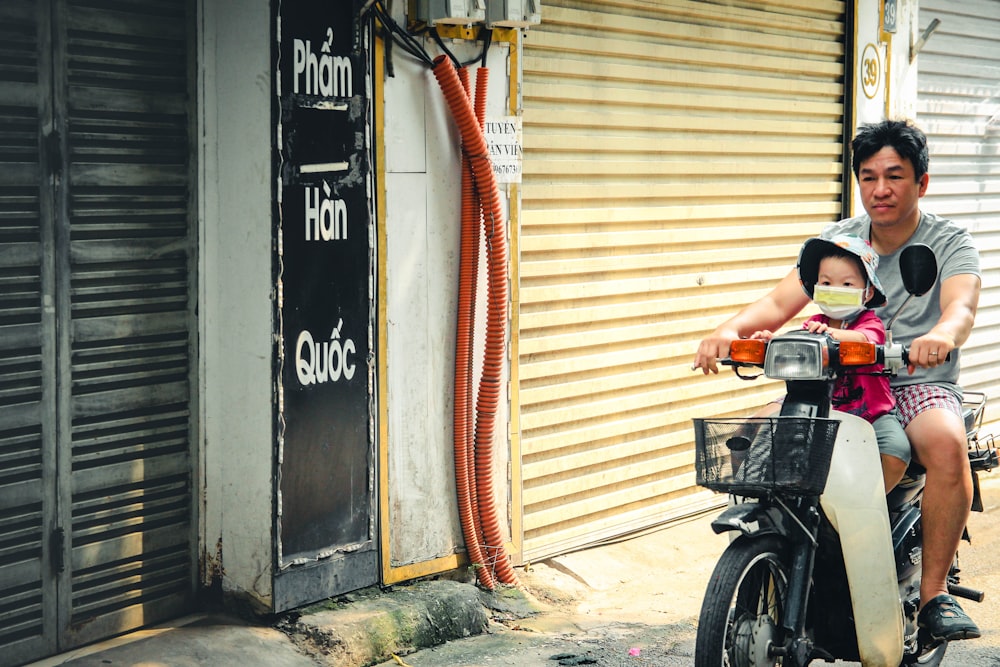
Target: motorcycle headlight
[(797, 357)]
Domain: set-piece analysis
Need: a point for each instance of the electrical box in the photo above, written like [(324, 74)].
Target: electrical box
[(458, 12), (513, 13)]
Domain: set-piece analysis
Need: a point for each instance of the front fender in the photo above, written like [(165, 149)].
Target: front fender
[(854, 502), (753, 520)]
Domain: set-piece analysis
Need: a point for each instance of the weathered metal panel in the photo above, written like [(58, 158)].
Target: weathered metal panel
[(123, 299), (121, 240), (124, 249), (958, 106), (325, 522), (676, 155), (27, 437)]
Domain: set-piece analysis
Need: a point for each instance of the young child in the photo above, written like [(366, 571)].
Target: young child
[(839, 276)]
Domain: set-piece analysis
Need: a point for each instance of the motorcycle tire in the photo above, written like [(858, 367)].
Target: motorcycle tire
[(744, 605)]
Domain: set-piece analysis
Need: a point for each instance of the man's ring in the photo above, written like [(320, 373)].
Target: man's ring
[(934, 354)]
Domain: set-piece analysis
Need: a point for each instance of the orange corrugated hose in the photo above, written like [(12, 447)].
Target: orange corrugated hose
[(490, 389), (463, 438), (490, 210), (475, 221), (475, 213)]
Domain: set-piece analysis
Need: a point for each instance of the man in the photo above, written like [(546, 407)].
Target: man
[(890, 162)]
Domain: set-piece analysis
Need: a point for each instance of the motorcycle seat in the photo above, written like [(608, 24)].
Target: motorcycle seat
[(908, 487), (914, 473)]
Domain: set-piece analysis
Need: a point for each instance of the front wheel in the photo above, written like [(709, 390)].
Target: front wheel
[(744, 606)]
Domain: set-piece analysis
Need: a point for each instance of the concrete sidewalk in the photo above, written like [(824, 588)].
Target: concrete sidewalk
[(662, 573), (638, 594), (357, 629)]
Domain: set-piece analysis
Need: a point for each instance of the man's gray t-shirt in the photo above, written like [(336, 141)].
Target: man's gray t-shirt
[(955, 253)]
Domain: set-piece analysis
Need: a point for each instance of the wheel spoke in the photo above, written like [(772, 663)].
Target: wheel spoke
[(742, 614)]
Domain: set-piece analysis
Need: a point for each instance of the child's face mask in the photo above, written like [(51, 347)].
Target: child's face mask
[(839, 303)]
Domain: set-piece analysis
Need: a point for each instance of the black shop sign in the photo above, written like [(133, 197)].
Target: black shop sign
[(323, 276)]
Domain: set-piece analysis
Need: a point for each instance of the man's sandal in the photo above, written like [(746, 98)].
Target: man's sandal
[(944, 620)]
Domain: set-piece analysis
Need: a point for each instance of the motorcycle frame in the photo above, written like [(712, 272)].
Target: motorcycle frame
[(854, 503)]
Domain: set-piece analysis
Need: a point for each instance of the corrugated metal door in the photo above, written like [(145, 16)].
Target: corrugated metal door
[(27, 344), (676, 154), (958, 107), (97, 342)]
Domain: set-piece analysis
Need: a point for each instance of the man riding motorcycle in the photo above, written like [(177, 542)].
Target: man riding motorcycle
[(890, 162)]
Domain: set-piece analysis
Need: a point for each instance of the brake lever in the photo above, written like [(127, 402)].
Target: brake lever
[(737, 365)]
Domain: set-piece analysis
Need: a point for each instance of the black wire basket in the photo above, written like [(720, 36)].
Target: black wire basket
[(757, 456)]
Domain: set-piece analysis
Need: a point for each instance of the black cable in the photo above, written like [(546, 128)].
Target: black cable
[(392, 32), (440, 43), (487, 37), (414, 46), (403, 39), (390, 63)]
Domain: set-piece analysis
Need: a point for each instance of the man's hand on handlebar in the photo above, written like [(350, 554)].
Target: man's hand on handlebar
[(713, 348), (929, 351)]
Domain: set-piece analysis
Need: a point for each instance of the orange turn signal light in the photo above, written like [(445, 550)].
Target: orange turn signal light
[(747, 351), (857, 354)]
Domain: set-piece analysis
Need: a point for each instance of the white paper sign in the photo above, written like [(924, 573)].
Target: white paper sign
[(503, 137)]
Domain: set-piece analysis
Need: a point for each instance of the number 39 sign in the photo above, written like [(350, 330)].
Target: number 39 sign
[(871, 71), (889, 16)]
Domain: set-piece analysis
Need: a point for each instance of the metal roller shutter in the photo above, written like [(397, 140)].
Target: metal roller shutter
[(128, 302), (676, 154), (27, 465), (958, 106), (97, 342)]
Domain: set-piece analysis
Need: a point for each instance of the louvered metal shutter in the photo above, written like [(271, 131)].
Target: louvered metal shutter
[(676, 154), (127, 300), (958, 107), (96, 316), (27, 418)]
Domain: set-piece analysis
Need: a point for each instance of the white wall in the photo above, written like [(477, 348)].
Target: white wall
[(235, 309), (894, 94), (903, 77), (421, 264), (235, 295)]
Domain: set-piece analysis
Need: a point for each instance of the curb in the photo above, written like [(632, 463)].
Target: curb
[(372, 626)]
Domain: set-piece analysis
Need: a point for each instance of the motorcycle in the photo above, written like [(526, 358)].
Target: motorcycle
[(822, 563)]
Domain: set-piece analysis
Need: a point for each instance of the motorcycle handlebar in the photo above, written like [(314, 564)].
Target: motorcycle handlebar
[(891, 357), (906, 356)]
